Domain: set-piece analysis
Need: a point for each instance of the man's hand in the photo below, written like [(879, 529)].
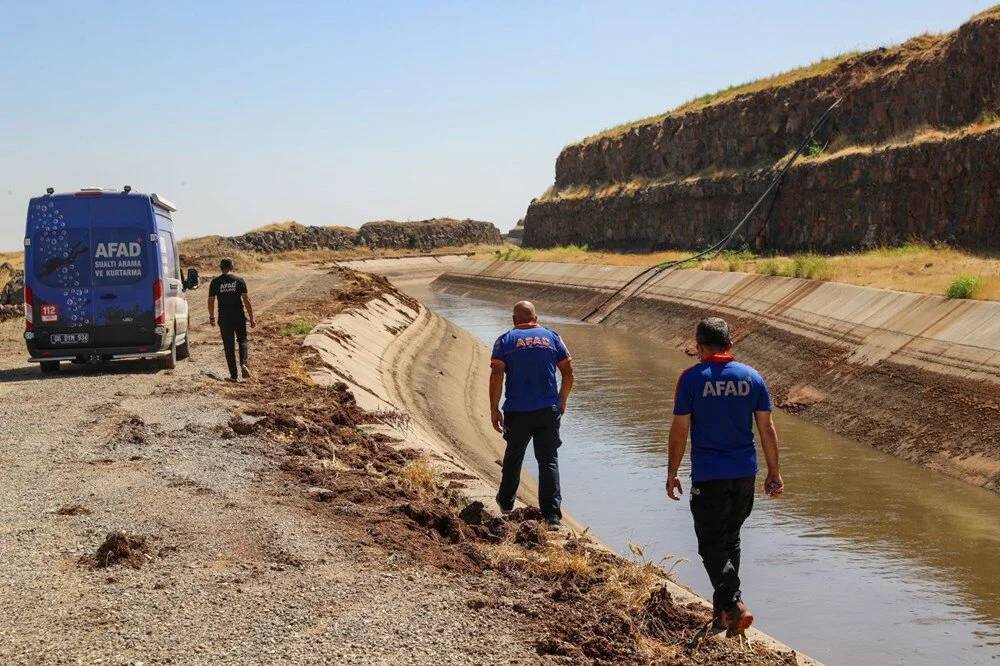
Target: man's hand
[(773, 484), (496, 416), (253, 323), (211, 321), (674, 490), (562, 406)]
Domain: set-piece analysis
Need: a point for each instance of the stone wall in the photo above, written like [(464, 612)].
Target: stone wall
[(428, 234), (297, 237), (645, 186), (421, 236)]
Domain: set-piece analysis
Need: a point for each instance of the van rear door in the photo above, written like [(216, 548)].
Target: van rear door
[(124, 266), (58, 263), (92, 269)]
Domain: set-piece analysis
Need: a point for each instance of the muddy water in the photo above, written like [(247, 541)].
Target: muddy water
[(866, 560)]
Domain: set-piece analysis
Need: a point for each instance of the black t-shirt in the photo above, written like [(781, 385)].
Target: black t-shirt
[(228, 290)]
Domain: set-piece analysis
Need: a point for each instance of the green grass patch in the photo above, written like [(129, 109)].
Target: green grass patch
[(964, 286), (808, 266), (299, 327), (514, 254)]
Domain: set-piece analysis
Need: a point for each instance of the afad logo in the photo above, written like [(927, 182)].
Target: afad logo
[(113, 250)]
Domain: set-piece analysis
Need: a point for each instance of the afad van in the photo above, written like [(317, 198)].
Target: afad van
[(102, 279)]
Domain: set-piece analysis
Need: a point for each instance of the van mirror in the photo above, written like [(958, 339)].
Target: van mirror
[(192, 280)]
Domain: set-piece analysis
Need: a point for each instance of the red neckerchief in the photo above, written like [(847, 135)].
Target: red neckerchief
[(718, 358)]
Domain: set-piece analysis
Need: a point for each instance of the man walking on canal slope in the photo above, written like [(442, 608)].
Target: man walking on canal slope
[(524, 364), (717, 401)]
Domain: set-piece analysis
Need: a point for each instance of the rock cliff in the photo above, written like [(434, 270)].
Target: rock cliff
[(910, 153)]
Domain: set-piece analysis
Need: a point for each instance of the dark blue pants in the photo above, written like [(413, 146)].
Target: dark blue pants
[(719, 509), (542, 426), (234, 330)]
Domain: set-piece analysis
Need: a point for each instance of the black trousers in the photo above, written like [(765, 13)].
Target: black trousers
[(542, 426), (719, 509), (234, 330)]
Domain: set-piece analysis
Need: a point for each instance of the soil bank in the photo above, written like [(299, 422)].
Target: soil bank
[(407, 359), (913, 375)]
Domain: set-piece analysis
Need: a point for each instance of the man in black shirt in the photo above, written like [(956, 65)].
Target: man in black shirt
[(231, 291)]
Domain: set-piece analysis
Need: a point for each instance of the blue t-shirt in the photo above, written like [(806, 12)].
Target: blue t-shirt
[(529, 355), (721, 396)]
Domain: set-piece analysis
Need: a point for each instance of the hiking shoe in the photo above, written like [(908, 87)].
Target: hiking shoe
[(553, 523), (736, 618), (246, 371)]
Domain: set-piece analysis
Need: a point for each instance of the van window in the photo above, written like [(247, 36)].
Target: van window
[(168, 256), (120, 255)]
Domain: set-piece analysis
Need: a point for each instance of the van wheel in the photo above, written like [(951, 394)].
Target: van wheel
[(169, 362), (184, 349), (48, 367)]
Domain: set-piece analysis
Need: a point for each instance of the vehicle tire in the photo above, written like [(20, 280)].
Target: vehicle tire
[(169, 362), (49, 367), (184, 349)]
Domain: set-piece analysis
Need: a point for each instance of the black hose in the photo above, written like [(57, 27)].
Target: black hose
[(653, 271)]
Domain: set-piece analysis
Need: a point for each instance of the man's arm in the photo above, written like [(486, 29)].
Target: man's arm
[(677, 442), (773, 484), (496, 388), (566, 386), (246, 303), (211, 309)]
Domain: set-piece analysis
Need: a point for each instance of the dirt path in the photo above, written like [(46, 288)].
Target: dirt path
[(239, 569)]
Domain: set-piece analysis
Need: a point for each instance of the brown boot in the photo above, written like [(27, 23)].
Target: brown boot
[(736, 618)]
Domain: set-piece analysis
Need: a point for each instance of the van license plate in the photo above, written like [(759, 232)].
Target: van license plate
[(69, 338)]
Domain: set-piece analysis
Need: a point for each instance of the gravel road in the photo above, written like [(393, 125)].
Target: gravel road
[(239, 571)]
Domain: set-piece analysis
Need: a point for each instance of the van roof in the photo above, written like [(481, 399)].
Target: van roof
[(157, 200)]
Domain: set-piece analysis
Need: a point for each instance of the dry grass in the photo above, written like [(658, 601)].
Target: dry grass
[(580, 254), (551, 561), (284, 225), (420, 476), (204, 253), (15, 258), (915, 267), (298, 370)]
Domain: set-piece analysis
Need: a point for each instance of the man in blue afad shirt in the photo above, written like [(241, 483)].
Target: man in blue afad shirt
[(528, 355), (717, 401)]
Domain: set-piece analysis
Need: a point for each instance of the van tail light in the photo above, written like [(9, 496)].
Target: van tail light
[(29, 317), (158, 302)]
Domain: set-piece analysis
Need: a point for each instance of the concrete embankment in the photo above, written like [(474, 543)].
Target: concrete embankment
[(913, 375), (428, 378)]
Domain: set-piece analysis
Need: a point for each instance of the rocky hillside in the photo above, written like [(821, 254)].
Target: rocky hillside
[(910, 153), (422, 235), (428, 234)]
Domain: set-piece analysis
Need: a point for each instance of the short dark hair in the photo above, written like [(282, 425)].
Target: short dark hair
[(226, 264), (713, 332)]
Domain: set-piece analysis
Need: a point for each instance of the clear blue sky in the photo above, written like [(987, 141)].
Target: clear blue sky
[(338, 113)]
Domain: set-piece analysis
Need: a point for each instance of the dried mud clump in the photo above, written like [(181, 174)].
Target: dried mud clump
[(132, 431), (72, 510), (119, 547)]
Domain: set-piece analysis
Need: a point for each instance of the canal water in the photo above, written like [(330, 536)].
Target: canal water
[(867, 559)]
